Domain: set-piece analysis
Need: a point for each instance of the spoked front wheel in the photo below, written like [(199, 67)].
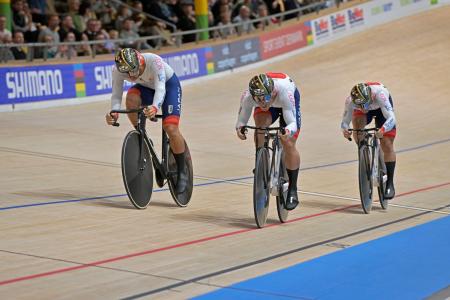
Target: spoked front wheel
[(261, 187), (365, 178), (382, 178), (182, 199), (137, 171), (283, 184)]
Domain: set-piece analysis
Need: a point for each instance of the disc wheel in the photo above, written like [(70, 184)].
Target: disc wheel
[(365, 180), (261, 187), (137, 173)]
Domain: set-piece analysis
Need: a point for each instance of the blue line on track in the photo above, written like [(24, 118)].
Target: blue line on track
[(212, 182), (410, 264), (110, 196)]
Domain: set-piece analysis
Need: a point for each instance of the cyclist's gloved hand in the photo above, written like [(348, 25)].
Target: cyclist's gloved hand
[(150, 112), (380, 133), (111, 118), (286, 135), (240, 135), (347, 134)]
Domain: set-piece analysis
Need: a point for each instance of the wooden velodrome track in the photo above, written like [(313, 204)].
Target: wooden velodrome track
[(69, 231)]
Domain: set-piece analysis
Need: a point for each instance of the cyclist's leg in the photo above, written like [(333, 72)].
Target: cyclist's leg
[(171, 109), (263, 119), (133, 101), (387, 145), (292, 157), (359, 121)]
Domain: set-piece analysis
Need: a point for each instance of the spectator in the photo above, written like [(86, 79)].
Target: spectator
[(51, 49), (158, 30), (66, 27), (93, 28), (19, 52), (264, 12), (74, 7), (105, 11), (123, 14), (244, 20), (138, 17), (251, 4), (51, 29), (67, 51), (225, 19), (161, 10), (104, 48), (128, 33), (19, 16), (31, 32), (38, 9), (113, 34), (4, 32), (218, 7), (86, 12), (6, 53), (187, 20), (84, 49)]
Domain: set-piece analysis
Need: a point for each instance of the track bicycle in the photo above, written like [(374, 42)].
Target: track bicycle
[(372, 169), (139, 157), (270, 177)]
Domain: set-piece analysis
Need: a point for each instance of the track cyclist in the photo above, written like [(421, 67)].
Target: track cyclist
[(157, 87), (275, 95), (368, 100)]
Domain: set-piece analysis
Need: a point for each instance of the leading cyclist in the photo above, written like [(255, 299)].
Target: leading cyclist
[(157, 87)]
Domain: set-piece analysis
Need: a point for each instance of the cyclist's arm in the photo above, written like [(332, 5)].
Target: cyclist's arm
[(117, 89), (245, 109), (290, 112), (347, 116), (159, 74), (388, 112)]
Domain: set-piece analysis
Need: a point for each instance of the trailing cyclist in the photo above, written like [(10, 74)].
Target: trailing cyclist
[(368, 100), (157, 87), (275, 95)]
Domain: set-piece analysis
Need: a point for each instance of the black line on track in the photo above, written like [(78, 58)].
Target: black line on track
[(59, 157), (269, 258)]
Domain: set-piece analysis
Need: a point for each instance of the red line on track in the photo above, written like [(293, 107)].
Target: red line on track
[(198, 241)]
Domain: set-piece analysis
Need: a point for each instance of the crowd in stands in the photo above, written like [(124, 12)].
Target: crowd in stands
[(54, 21)]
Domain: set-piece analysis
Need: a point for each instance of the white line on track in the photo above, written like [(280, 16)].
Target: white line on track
[(236, 182)]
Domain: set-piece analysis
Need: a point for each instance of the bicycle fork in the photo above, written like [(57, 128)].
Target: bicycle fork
[(376, 166), (274, 191)]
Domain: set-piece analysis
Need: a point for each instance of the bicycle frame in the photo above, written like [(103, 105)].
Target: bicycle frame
[(275, 166), (373, 143), (275, 155)]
